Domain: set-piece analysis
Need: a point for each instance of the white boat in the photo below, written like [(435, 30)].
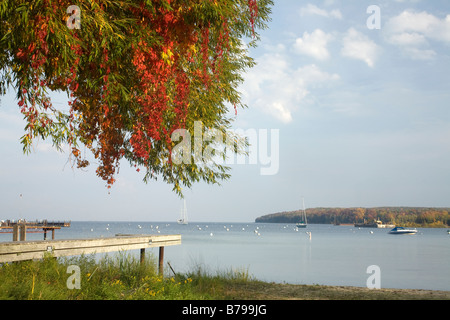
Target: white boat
[(183, 218), (304, 222), (401, 230)]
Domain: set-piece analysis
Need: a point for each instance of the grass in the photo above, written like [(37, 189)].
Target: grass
[(123, 277)]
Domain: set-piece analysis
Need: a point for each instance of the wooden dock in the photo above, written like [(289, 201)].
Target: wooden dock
[(20, 228), (28, 250)]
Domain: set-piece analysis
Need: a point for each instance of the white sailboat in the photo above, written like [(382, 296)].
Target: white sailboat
[(303, 222), (183, 217)]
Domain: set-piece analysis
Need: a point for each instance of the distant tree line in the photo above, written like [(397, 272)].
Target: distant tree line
[(400, 216)]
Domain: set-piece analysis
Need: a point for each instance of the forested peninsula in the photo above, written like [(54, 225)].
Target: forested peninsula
[(399, 216)]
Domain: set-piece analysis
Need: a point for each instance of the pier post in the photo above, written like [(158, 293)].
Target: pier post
[(16, 232), (142, 256), (23, 232), (161, 261)]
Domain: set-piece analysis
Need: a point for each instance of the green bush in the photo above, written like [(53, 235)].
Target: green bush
[(120, 276)]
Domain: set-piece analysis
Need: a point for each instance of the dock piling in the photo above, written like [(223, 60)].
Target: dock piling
[(161, 261), (15, 232), (23, 232)]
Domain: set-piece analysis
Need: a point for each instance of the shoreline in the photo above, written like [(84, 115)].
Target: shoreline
[(129, 278), (257, 290)]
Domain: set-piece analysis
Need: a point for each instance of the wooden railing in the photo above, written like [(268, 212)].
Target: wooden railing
[(28, 250)]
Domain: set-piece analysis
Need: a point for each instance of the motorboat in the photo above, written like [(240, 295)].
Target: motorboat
[(401, 230)]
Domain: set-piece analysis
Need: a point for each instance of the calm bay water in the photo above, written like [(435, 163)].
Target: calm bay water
[(335, 255)]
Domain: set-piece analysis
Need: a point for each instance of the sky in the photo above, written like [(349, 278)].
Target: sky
[(349, 105)]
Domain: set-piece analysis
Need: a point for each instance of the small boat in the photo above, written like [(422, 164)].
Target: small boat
[(375, 224), (304, 222), (183, 218), (401, 230)]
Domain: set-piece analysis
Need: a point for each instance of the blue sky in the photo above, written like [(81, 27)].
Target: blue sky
[(362, 115)]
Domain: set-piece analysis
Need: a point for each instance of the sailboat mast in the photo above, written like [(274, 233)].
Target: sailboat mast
[(304, 211), (183, 214)]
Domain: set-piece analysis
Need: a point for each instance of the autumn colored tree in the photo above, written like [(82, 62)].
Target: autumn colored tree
[(409, 216), (134, 72)]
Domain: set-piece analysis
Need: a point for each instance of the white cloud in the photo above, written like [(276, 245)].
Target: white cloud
[(11, 118), (408, 39), (314, 44), (358, 46), (421, 22), (311, 9), (9, 123), (311, 74), (414, 33), (277, 88), (420, 54)]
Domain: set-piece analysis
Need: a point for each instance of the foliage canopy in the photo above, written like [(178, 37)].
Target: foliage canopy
[(134, 72)]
